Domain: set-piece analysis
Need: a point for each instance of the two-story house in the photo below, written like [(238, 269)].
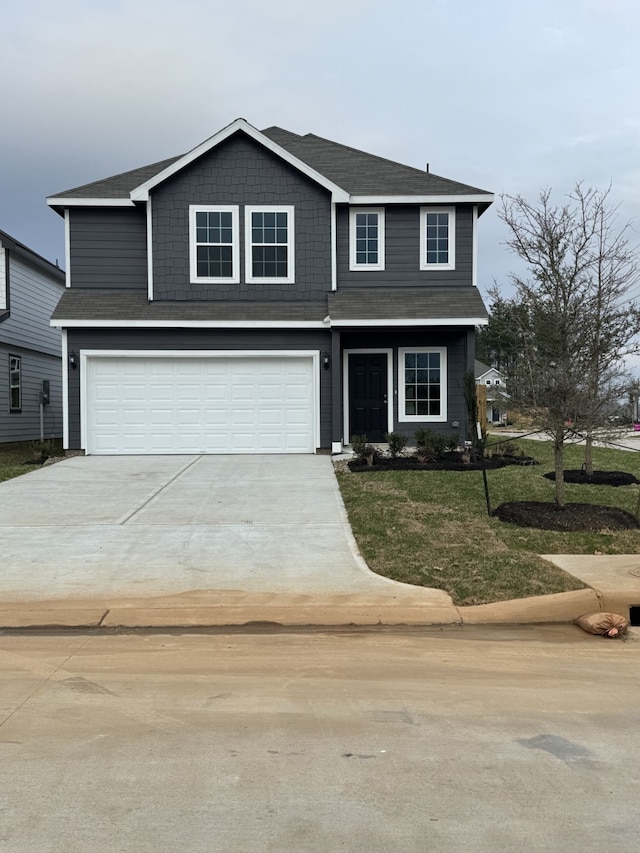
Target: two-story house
[(494, 386), (30, 350), (266, 293)]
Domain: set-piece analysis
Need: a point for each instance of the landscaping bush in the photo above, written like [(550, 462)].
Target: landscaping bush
[(431, 446), (397, 442), (363, 450)]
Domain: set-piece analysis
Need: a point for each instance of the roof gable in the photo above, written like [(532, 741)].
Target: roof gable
[(141, 193), (349, 174)]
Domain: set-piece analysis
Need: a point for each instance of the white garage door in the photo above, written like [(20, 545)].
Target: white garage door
[(223, 404)]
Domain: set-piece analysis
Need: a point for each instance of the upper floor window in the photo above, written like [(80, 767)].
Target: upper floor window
[(366, 239), (422, 384), (214, 244), (15, 383), (269, 245), (437, 238)]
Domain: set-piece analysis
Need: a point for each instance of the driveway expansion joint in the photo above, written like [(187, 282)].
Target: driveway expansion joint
[(128, 516)]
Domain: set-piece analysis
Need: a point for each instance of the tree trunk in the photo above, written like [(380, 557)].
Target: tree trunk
[(558, 452), (588, 456)]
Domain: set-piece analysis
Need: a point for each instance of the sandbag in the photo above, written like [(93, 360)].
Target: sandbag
[(606, 624)]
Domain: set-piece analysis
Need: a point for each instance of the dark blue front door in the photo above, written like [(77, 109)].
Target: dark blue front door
[(368, 395)]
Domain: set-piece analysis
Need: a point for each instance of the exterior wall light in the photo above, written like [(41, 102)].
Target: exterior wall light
[(73, 360), (326, 361)]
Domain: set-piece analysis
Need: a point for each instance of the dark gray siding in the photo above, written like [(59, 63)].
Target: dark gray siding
[(241, 172), (25, 425), (108, 247), (197, 339), (402, 251), (456, 340)]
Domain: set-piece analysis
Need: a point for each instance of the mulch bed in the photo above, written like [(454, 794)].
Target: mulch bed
[(449, 462), (547, 516), (598, 478)]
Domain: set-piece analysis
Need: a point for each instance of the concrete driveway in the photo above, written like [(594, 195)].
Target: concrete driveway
[(159, 525)]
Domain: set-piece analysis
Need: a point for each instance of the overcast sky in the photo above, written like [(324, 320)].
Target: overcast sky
[(504, 95)]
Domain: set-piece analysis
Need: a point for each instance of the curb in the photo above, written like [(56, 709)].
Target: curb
[(219, 610)]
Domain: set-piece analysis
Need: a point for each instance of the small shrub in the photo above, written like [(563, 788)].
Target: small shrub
[(397, 442), (430, 445), (363, 450), (452, 442)]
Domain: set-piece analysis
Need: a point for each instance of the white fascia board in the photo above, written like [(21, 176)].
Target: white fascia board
[(189, 324), (64, 201), (480, 198), (453, 321), (141, 193)]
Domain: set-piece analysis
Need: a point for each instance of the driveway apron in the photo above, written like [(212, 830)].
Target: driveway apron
[(155, 525)]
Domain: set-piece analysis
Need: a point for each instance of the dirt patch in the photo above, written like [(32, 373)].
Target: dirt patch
[(598, 478), (449, 462), (547, 516)]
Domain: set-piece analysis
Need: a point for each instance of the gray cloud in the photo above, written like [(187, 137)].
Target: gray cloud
[(506, 96)]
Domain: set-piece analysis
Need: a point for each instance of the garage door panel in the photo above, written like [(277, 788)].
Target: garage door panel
[(200, 405)]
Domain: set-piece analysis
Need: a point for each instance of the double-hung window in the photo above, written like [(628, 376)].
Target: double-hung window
[(422, 384), (437, 238), (15, 383), (366, 239), (214, 242), (269, 239)]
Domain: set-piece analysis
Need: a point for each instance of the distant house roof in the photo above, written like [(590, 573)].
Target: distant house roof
[(27, 254), (357, 174), (481, 369)]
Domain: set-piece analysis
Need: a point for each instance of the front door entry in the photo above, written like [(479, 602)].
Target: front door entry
[(368, 395)]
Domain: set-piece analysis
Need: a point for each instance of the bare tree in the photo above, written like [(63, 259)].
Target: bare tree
[(576, 321)]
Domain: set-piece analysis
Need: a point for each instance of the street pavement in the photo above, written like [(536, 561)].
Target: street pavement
[(456, 739)]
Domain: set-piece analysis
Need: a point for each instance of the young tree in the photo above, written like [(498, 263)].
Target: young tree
[(575, 320)]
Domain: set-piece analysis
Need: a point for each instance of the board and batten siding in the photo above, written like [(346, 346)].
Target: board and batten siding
[(402, 251), (108, 247), (196, 339)]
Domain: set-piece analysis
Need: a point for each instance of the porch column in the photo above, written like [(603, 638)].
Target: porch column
[(336, 393)]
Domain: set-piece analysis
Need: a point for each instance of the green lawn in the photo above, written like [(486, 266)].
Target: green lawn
[(14, 455), (431, 528)]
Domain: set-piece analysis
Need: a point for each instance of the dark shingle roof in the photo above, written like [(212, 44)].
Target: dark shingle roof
[(118, 186), (364, 174), (426, 303), (356, 172), (98, 304), (416, 303)]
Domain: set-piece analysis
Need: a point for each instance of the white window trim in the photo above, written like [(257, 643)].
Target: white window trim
[(269, 208), (442, 417), (451, 265), (235, 245), (353, 266), (18, 358)]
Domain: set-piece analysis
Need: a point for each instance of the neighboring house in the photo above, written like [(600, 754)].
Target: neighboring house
[(266, 293), (30, 350), (494, 384)]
